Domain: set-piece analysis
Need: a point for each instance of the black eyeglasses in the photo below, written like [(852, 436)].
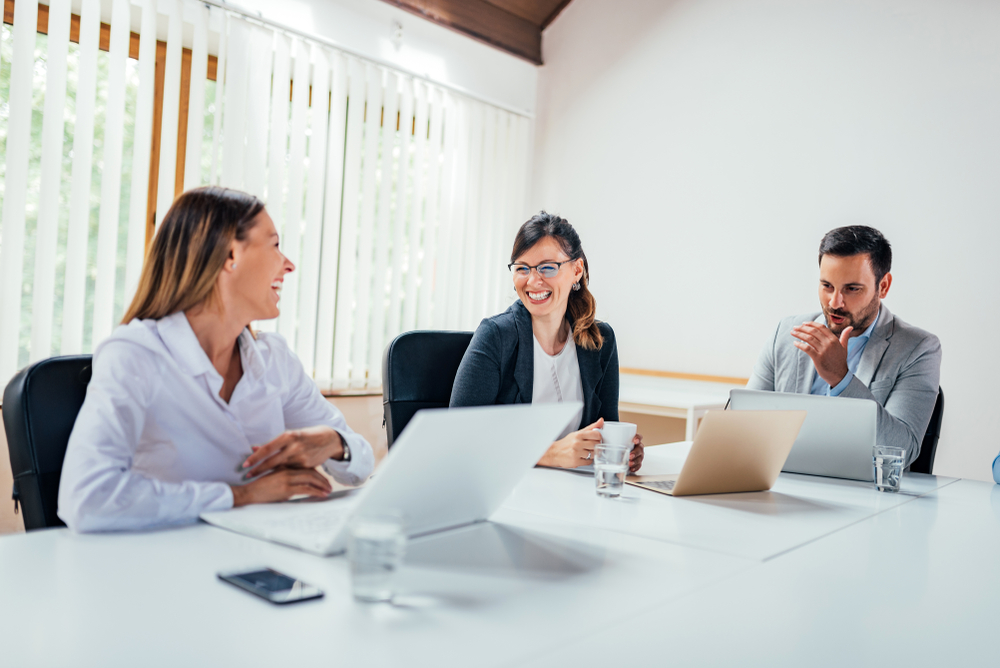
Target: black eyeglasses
[(545, 270)]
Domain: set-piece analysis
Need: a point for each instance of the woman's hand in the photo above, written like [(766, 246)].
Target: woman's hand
[(576, 449), (638, 452), (297, 449), (280, 486)]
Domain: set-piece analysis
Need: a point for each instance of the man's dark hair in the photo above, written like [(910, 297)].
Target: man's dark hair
[(857, 239)]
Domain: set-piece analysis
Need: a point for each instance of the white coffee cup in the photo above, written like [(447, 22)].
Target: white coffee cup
[(618, 433)]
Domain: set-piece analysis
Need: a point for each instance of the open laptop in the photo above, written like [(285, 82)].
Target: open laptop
[(732, 452), (450, 467), (836, 439)]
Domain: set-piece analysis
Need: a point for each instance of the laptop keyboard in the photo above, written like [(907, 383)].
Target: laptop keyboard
[(661, 484), (306, 525), (324, 520)]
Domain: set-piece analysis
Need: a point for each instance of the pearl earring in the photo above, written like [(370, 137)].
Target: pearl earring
[(234, 265)]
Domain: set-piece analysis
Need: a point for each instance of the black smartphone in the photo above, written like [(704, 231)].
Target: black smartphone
[(271, 585)]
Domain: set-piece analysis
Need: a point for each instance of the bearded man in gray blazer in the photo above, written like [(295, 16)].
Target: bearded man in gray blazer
[(855, 347)]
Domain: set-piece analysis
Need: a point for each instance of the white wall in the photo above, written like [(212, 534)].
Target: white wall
[(427, 48), (703, 148)]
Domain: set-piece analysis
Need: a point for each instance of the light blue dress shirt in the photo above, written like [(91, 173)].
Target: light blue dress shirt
[(855, 346)]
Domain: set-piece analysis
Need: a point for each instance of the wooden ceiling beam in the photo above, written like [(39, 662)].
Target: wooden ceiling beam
[(534, 11), (482, 21)]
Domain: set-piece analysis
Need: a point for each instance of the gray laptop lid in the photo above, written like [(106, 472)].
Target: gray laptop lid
[(455, 466), (837, 436), (449, 467)]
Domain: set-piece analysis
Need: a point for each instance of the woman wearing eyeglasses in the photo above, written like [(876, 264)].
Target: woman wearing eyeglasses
[(547, 347)]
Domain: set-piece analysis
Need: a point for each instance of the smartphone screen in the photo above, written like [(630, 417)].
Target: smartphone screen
[(274, 586)]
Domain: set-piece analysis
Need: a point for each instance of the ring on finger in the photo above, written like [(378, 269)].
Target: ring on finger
[(590, 455)]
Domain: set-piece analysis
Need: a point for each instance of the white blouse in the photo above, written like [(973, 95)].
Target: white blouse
[(154, 443), (557, 379)]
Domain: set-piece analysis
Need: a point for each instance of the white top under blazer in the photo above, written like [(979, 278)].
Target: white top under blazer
[(154, 444), (557, 379)]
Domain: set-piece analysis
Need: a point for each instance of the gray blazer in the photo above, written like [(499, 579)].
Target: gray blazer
[(499, 367), (900, 370)]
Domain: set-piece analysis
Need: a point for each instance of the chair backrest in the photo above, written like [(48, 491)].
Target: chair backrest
[(418, 371), (40, 405), (925, 462)]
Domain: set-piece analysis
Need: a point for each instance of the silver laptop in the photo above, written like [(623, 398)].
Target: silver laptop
[(450, 467), (836, 439), (733, 451)]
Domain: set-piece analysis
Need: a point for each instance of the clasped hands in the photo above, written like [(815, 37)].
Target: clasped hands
[(289, 462), (577, 449), (827, 352)]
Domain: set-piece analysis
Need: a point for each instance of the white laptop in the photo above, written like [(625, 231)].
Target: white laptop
[(450, 467), (836, 439)]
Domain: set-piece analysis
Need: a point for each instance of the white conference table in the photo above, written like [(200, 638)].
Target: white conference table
[(758, 525), (915, 585), (806, 575)]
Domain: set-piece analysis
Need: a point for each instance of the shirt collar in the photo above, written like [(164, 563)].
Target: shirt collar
[(180, 340), (865, 335), (868, 332), (253, 361), (176, 333)]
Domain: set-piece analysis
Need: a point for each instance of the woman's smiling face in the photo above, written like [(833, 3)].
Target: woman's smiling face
[(260, 270), (540, 295)]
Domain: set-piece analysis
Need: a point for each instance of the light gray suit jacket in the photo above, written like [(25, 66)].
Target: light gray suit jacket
[(900, 370)]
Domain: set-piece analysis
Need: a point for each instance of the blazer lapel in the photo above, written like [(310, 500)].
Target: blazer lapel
[(524, 368), (590, 374), (876, 347)]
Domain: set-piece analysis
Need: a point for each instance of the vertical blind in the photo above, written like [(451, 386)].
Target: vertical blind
[(396, 199)]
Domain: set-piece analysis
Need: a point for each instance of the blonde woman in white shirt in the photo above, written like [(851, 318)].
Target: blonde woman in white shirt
[(188, 410)]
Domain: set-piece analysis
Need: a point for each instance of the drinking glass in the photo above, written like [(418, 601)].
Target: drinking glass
[(887, 461), (610, 467), (618, 433), (375, 549)]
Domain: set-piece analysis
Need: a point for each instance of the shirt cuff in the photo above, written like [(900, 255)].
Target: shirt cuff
[(221, 501), (842, 385), (996, 469), (357, 470)]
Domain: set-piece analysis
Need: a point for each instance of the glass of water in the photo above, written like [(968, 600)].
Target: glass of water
[(610, 467), (887, 461), (375, 549)]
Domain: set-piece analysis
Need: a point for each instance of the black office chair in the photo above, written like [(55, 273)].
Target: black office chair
[(925, 462), (418, 371), (40, 406)]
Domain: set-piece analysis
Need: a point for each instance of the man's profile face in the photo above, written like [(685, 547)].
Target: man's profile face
[(848, 292)]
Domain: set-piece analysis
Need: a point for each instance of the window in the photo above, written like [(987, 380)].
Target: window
[(395, 197)]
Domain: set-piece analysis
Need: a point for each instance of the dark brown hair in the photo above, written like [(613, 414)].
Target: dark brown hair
[(190, 249), (855, 240), (581, 307)]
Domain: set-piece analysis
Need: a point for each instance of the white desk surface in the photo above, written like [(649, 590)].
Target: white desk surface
[(759, 525), (800, 577), (489, 595), (917, 585)]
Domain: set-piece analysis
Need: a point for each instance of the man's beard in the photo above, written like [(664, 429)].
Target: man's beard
[(860, 322)]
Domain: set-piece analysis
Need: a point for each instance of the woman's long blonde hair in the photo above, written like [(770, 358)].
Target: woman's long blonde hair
[(190, 249)]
